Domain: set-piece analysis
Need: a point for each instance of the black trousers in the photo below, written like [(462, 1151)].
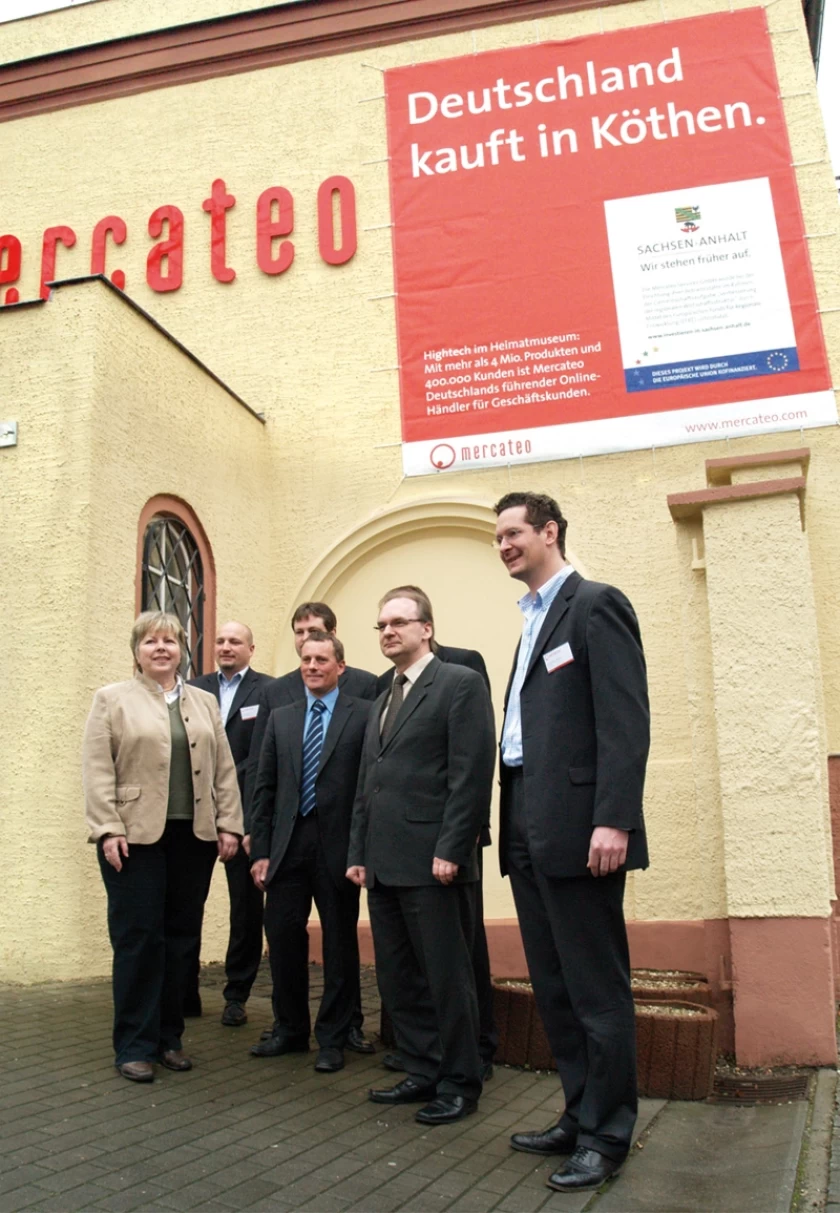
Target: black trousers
[(303, 876), (245, 940), (423, 937), (155, 907), (488, 1036), (576, 947)]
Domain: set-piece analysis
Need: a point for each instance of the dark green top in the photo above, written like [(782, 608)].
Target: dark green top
[(181, 805)]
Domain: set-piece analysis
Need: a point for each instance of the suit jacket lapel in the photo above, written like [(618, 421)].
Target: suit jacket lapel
[(295, 738), (242, 693), (340, 715), (556, 611), (414, 699)]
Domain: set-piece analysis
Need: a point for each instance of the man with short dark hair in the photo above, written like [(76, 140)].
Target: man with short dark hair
[(308, 619), (300, 827), (574, 749), (423, 795), (236, 687), (488, 1037)]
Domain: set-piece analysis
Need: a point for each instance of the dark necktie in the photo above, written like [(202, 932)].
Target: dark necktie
[(393, 707), (313, 743)]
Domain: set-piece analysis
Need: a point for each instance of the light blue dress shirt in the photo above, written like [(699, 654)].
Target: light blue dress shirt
[(327, 700), (227, 692), (535, 610)]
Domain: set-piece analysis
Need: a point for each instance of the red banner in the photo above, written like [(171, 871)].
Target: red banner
[(598, 246)]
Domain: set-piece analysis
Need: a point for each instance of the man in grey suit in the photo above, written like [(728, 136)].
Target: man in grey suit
[(574, 749), (424, 788)]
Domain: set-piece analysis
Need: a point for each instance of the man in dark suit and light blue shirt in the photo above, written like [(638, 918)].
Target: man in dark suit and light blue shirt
[(424, 788), (237, 688), (574, 749), (308, 619), (300, 826)]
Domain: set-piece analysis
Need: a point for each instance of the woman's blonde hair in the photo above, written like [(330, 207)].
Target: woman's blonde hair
[(157, 621)]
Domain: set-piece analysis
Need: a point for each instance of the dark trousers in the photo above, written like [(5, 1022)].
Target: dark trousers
[(488, 1037), (576, 947), (245, 941), (303, 876), (422, 936), (155, 907)]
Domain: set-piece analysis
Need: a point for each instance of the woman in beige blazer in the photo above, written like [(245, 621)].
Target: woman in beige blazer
[(161, 803)]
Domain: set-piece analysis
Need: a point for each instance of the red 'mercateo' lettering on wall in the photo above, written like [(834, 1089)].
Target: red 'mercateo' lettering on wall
[(343, 186), (219, 202), (169, 254), (112, 226), (10, 259), (269, 228), (53, 236)]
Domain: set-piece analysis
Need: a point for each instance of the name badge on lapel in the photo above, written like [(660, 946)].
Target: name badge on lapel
[(558, 657), (249, 713)]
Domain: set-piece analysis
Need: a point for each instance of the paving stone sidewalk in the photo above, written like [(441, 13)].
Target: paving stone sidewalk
[(239, 1132)]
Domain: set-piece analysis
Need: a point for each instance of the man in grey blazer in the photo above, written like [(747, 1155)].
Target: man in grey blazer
[(574, 748), (424, 788)]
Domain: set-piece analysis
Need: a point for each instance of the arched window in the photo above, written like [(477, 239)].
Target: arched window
[(176, 573)]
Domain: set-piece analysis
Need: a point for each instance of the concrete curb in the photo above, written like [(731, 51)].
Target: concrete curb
[(814, 1175)]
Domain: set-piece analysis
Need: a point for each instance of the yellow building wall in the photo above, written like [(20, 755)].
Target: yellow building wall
[(115, 415), (307, 349)]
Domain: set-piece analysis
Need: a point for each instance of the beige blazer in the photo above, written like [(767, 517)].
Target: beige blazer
[(125, 763)]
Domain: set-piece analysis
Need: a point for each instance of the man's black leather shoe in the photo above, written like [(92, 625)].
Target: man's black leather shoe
[(393, 1061), (275, 1046), (358, 1042), (585, 1169), (329, 1061), (234, 1015), (407, 1091), (446, 1108), (553, 1140)]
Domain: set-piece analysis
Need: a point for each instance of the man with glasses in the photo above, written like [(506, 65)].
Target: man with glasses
[(423, 795), (574, 749)]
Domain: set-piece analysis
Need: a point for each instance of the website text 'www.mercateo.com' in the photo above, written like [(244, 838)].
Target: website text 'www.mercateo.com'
[(738, 423)]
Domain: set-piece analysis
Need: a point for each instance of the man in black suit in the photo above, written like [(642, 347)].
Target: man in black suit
[(574, 750), (488, 1037), (424, 788), (300, 828), (236, 687), (308, 619)]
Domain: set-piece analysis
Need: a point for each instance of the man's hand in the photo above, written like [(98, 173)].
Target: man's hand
[(607, 850), (357, 875), (259, 871), (443, 870), (246, 843), (115, 847), (228, 845)]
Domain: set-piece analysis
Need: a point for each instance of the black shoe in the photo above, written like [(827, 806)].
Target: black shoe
[(266, 1032), (358, 1042), (446, 1108), (407, 1091), (234, 1015), (329, 1061), (192, 1007), (554, 1140), (393, 1061), (585, 1169), (486, 1071), (275, 1046)]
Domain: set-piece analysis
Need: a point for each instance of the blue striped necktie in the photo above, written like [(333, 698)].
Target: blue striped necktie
[(313, 743)]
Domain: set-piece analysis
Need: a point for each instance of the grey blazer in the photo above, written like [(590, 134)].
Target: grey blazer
[(426, 792)]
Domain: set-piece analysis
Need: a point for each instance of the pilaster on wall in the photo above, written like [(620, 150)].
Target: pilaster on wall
[(747, 540)]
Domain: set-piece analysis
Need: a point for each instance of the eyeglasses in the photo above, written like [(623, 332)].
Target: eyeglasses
[(511, 536), (396, 624)]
